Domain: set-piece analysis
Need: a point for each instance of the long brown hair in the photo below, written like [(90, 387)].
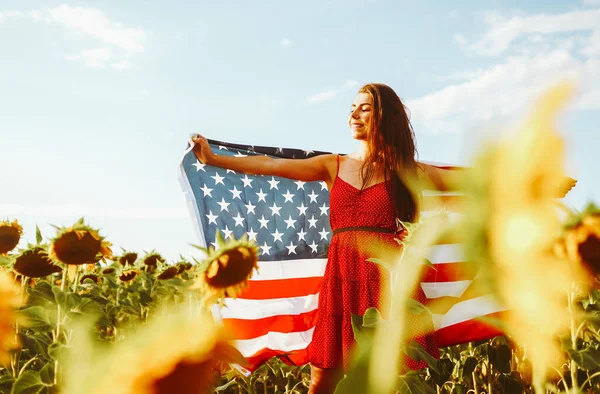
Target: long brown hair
[(391, 140)]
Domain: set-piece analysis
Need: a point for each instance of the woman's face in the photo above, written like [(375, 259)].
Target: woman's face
[(360, 116)]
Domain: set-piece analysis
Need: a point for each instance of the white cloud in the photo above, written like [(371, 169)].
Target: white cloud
[(119, 42), (285, 42), (122, 65), (95, 24), (525, 68), (503, 31), (320, 97), (504, 90), (591, 2)]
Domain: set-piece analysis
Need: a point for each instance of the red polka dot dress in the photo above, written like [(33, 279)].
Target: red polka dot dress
[(351, 284)]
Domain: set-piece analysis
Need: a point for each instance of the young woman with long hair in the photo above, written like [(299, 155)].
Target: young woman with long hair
[(369, 190)]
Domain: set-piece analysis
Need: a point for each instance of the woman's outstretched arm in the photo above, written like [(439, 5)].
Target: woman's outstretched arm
[(318, 168)]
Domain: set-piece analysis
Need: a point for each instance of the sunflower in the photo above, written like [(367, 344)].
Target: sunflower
[(128, 275), (34, 262), (169, 273), (127, 258), (227, 269), (151, 261), (10, 234), (111, 269), (177, 352), (92, 277), (580, 243), (10, 300), (79, 245), (512, 222)]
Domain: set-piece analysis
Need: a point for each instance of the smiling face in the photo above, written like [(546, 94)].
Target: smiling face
[(360, 116)]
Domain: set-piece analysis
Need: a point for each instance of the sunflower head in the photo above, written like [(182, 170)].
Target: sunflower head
[(10, 300), (191, 347), (10, 234), (226, 270), (92, 277), (79, 245), (111, 269), (151, 261), (169, 273), (34, 262), (127, 258), (128, 275), (580, 242)]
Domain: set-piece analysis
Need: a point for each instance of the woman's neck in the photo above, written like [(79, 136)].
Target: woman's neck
[(362, 152)]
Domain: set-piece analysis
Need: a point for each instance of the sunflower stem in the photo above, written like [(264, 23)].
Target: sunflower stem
[(573, 365), (63, 284), (76, 281)]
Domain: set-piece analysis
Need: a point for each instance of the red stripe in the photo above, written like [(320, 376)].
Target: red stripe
[(469, 331), (449, 272), (297, 357), (248, 329), (281, 288)]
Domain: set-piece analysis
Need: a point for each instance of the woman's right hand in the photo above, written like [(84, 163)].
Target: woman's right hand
[(202, 149)]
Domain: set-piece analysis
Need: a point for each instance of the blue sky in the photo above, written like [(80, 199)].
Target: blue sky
[(99, 97)]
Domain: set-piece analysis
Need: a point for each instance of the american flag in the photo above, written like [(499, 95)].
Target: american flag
[(289, 221)]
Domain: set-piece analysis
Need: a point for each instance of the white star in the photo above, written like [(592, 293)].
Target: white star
[(206, 190), (273, 183), (239, 221), (250, 207), (290, 222), (218, 179), (252, 235), (265, 249), (247, 181), (223, 205), (292, 248), (302, 209), (275, 210), (323, 234), (212, 218), (277, 235), (215, 245), (313, 196), (313, 246), (199, 166), (308, 152), (323, 185), (236, 193), (312, 222), (299, 184), (261, 196), (230, 171), (289, 197), (301, 235), (227, 232), (263, 222), (239, 154), (279, 150), (222, 147), (324, 209)]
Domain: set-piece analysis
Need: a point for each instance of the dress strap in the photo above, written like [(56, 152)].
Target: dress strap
[(337, 171)]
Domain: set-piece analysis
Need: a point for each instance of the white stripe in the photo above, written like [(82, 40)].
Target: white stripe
[(445, 289), (258, 309), (447, 253), (275, 341), (467, 310), (289, 269)]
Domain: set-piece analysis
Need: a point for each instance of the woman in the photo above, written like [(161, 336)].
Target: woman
[(368, 191)]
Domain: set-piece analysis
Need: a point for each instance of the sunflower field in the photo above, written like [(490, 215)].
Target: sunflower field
[(78, 317)]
